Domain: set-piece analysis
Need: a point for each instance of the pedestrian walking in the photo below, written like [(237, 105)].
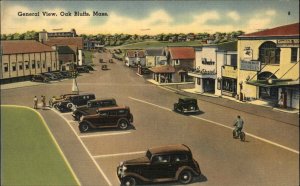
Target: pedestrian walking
[(35, 102), (280, 102)]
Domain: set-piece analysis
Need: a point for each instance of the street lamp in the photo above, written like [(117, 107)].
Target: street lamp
[(74, 85)]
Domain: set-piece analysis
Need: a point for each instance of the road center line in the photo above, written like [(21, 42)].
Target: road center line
[(119, 154), (106, 134), (93, 159), (222, 125)]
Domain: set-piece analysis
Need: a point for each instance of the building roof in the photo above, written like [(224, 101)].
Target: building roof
[(286, 30), (169, 149), (63, 41), (24, 46), (182, 52), (131, 53), (65, 50), (154, 52), (163, 69)]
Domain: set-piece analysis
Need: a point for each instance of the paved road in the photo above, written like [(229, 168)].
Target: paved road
[(269, 157)]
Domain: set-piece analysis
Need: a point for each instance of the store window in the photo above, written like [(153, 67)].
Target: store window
[(294, 54), (269, 53), (198, 81), (26, 65), (20, 65), (14, 67), (5, 65), (33, 64)]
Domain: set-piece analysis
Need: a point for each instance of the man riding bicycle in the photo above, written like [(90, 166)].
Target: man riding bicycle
[(239, 123)]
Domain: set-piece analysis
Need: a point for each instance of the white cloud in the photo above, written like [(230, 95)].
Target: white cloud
[(233, 15), (270, 12)]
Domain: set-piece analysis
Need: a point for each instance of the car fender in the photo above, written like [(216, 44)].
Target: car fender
[(185, 168), (88, 122)]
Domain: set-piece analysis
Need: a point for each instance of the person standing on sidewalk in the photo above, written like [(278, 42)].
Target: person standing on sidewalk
[(35, 102), (43, 100)]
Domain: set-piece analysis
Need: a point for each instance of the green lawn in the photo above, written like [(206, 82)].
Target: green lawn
[(29, 153)]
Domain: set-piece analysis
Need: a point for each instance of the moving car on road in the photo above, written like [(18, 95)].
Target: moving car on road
[(92, 106), (186, 105), (167, 163), (71, 102), (109, 117)]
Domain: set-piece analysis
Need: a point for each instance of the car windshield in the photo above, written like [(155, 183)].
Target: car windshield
[(149, 155)]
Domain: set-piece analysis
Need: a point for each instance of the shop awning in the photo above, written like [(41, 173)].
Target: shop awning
[(163, 69), (273, 83)]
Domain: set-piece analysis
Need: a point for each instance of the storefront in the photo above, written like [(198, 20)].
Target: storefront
[(229, 81)]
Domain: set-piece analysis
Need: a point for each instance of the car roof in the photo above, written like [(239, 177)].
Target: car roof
[(187, 99), (112, 108), (169, 149), (84, 94), (102, 99)]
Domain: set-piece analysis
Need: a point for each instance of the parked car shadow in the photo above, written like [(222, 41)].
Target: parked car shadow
[(99, 130), (201, 178)]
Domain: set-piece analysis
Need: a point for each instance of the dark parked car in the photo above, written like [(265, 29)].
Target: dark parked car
[(51, 76), (66, 74), (168, 163), (55, 99), (92, 106), (186, 105), (89, 67), (71, 102), (104, 67), (118, 116), (40, 78), (58, 74), (82, 69)]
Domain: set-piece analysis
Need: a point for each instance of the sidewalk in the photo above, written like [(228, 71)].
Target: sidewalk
[(20, 84), (256, 107)]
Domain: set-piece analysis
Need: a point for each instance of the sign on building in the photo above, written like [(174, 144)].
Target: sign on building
[(250, 65), (288, 43), (229, 71)]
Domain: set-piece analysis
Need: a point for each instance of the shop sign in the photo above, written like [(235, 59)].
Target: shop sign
[(288, 43), (248, 53), (229, 71), (207, 62), (250, 65)]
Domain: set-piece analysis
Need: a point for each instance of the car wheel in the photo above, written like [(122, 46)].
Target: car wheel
[(129, 181), (70, 105), (185, 177), (123, 124), (84, 127)]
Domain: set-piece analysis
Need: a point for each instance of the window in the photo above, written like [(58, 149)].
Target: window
[(20, 65), (180, 157), (269, 53), (26, 65), (14, 66), (177, 62), (44, 64), (32, 64), (198, 81), (294, 54), (38, 64), (5, 67), (233, 60), (161, 159)]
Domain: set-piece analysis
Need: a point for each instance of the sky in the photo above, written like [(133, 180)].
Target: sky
[(149, 17)]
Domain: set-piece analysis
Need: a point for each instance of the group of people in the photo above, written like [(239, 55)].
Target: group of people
[(43, 101)]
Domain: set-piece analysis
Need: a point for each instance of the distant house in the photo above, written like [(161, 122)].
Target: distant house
[(65, 56), (155, 56), (133, 58), (74, 43), (163, 74), (183, 60), (92, 45), (20, 59)]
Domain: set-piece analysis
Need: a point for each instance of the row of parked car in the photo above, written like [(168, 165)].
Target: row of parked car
[(57, 75), (92, 113)]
